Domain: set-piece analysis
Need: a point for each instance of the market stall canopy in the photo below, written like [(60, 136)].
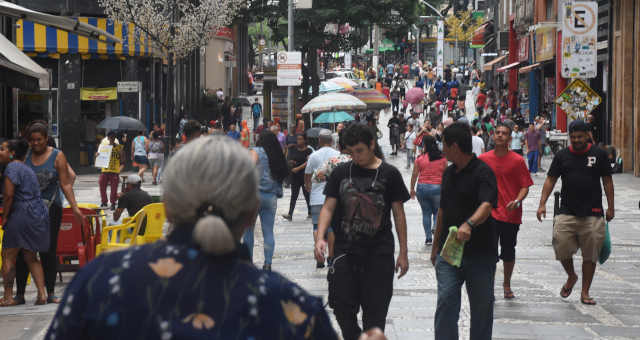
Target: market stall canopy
[(333, 117), (529, 68), (488, 66), (344, 82), (18, 70), (64, 23), (373, 98), (508, 67), (334, 101)]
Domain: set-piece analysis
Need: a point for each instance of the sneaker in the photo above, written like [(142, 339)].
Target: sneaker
[(287, 217), (427, 242), (113, 207), (266, 267), (329, 261), (104, 205), (319, 265)]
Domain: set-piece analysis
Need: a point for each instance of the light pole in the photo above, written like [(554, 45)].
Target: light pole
[(290, 94)]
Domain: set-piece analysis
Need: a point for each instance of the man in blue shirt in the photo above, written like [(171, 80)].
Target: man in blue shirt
[(233, 133), (256, 110)]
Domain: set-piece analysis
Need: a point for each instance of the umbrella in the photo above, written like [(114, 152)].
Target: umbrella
[(121, 123), (314, 132), (333, 101), (333, 117), (373, 98), (344, 82), (414, 95)]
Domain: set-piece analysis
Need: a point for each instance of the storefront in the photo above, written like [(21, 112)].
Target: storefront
[(85, 74)]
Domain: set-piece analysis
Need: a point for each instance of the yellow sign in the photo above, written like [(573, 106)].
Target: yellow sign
[(545, 43), (106, 93), (578, 100)]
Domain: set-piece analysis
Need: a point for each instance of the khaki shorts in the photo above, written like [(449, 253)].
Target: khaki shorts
[(571, 232)]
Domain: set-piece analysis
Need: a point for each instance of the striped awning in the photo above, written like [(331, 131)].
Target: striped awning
[(41, 40)]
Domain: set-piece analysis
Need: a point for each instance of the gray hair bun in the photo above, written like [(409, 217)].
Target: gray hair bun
[(213, 235)]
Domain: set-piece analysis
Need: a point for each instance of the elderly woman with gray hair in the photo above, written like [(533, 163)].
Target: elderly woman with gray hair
[(198, 283)]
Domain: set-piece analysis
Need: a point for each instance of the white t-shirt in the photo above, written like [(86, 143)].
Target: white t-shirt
[(315, 161), (410, 137), (477, 145)]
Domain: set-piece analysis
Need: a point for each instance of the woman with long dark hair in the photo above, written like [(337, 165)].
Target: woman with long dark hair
[(428, 171), (273, 169), (297, 159)]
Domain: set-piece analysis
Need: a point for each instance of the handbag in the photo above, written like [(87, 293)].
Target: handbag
[(605, 251), (418, 140)]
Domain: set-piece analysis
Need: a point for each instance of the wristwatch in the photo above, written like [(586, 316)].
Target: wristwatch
[(517, 203), (471, 224)]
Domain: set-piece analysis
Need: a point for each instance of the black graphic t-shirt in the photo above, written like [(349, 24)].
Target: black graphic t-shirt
[(363, 211), (581, 193)]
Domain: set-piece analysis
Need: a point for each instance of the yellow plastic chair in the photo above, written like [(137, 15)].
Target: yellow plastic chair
[(121, 236), (155, 221)]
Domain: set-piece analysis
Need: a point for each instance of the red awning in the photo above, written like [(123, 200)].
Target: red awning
[(529, 68), (508, 67)]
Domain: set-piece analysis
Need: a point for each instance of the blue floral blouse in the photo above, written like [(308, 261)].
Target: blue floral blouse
[(171, 290)]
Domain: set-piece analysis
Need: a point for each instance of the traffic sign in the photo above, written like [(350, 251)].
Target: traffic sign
[(289, 68), (580, 39), (128, 86)]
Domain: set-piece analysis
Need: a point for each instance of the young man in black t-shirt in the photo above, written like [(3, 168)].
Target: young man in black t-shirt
[(580, 223), (468, 193), (362, 194)]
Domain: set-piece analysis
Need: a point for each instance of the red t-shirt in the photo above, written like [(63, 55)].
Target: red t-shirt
[(454, 92), (405, 69), (511, 175), (430, 172), (482, 99), (450, 104), (438, 104)]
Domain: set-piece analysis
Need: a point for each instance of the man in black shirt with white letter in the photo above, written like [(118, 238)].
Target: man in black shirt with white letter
[(580, 223), (468, 193)]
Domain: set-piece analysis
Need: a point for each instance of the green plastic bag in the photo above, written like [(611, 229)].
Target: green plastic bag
[(453, 249), (605, 251)]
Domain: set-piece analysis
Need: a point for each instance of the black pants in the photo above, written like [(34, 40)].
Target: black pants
[(296, 184), (395, 104), (360, 281), (48, 259)]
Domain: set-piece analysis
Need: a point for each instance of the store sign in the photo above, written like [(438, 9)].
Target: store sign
[(545, 43), (303, 4), (106, 93), (523, 49), (225, 32), (128, 86), (578, 100), (579, 39), (289, 69), (279, 106)]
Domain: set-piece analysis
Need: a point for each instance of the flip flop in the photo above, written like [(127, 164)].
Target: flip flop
[(4, 303), (565, 292), (588, 301), (40, 302), (508, 294), (53, 299)]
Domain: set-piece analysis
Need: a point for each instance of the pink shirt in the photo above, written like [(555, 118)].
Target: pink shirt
[(430, 172)]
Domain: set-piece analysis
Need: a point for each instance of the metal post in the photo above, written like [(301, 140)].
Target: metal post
[(290, 95)]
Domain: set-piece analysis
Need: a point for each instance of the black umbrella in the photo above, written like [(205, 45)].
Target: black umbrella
[(122, 123), (314, 132)]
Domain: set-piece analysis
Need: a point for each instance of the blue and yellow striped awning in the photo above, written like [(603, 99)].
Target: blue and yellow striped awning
[(40, 40)]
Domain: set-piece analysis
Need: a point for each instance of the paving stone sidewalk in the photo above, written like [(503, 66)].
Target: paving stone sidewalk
[(537, 312)]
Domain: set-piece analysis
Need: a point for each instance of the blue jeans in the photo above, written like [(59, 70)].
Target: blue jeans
[(267, 213), (533, 161), (477, 273), (429, 198)]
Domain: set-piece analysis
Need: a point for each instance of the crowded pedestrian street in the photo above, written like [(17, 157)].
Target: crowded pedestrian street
[(537, 312)]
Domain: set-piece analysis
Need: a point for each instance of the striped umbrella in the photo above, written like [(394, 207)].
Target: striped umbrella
[(348, 84), (374, 99), (332, 102)]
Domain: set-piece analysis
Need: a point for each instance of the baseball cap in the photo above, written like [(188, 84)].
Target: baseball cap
[(578, 125), (133, 179)]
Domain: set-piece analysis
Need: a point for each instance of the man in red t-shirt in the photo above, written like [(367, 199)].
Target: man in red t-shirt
[(480, 102), (454, 92), (514, 181)]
